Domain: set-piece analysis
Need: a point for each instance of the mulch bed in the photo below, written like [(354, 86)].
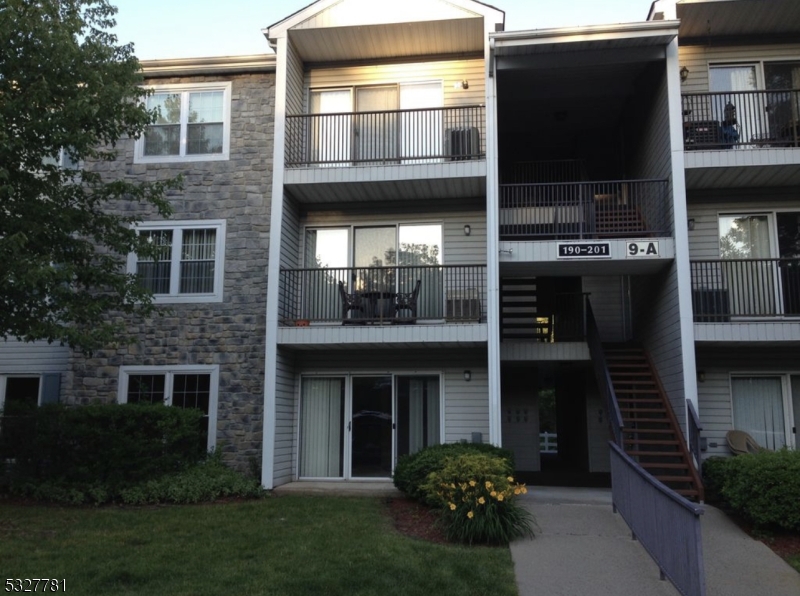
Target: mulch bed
[(415, 520)]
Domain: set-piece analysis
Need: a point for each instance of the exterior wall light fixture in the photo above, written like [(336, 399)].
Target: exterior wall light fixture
[(467, 375), (684, 74), (467, 230)]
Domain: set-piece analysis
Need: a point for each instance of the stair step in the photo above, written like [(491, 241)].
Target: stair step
[(629, 391), (687, 492), (612, 365), (655, 431), (666, 466), (653, 441), (686, 478), (639, 400), (640, 453)]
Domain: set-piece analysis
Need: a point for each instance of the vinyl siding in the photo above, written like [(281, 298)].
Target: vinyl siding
[(285, 419), (714, 396), (32, 357), (608, 305), (295, 93), (697, 59)]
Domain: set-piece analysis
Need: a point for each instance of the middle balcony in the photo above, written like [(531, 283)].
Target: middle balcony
[(433, 304)]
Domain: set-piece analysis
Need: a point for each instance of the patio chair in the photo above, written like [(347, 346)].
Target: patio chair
[(741, 442), (350, 303), (407, 301)]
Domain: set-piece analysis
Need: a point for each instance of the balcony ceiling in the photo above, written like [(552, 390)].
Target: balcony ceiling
[(394, 40), (726, 18), (742, 169)]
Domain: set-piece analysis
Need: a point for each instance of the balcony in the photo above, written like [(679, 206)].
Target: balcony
[(584, 210), (741, 129), (383, 305), (444, 146), (746, 299)]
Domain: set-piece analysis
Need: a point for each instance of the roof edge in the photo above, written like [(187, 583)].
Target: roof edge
[(208, 65), (649, 27)]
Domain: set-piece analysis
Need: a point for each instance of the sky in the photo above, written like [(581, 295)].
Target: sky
[(197, 28)]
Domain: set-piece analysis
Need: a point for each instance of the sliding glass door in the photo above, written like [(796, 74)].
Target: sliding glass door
[(355, 427)]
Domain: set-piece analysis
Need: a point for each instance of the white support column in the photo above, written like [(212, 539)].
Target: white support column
[(492, 246), (681, 229), (273, 268)]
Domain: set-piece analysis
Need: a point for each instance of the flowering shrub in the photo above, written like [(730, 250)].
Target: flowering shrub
[(477, 498), (412, 471)]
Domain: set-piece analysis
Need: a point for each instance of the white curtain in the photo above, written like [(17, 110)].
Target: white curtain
[(321, 428), (419, 396), (330, 131), (758, 409), (751, 284), (434, 414)]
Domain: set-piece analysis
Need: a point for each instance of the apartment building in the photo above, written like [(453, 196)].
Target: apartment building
[(740, 75), (411, 226)]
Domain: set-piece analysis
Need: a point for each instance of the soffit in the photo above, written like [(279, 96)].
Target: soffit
[(704, 18)]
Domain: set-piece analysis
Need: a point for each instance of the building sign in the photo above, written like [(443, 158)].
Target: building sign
[(584, 250), (642, 249)]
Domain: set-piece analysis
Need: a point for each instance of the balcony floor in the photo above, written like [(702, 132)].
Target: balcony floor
[(748, 168), (762, 332)]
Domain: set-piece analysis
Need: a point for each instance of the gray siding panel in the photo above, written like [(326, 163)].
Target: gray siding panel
[(285, 419), (608, 305), (295, 93), (32, 357)]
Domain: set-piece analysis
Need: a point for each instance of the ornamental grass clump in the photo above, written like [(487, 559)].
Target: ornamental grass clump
[(478, 500)]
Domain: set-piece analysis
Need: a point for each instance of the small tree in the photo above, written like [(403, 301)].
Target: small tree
[(68, 92)]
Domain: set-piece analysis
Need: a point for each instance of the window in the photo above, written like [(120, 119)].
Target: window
[(179, 387), (766, 407), (62, 160), (193, 124), (188, 266)]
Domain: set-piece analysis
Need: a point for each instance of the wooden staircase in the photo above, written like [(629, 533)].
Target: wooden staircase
[(619, 222), (651, 434), (520, 308)]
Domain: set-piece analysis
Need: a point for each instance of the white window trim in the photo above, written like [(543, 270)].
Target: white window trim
[(184, 90), (170, 372), (174, 297)]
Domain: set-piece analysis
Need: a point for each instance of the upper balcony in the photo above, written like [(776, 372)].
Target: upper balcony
[(746, 300), (742, 138), (574, 227), (387, 154)]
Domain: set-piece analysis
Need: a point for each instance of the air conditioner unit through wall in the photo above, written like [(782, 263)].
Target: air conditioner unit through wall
[(462, 143)]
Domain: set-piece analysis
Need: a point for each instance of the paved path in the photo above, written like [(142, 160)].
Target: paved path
[(583, 549)]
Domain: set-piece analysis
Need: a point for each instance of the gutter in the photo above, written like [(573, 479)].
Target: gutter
[(214, 65)]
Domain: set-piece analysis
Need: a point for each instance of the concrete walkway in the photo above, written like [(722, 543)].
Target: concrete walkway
[(583, 549)]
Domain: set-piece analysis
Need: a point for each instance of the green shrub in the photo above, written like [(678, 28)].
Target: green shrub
[(715, 470), (205, 481), (412, 471), (477, 498), (763, 487), (103, 447)]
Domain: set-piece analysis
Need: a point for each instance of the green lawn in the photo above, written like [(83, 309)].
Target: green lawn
[(283, 545), (794, 561)]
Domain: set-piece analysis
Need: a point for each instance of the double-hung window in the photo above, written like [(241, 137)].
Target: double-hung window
[(193, 124), (188, 262), (185, 386)]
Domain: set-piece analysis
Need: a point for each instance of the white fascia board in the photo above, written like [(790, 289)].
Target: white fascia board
[(642, 29)]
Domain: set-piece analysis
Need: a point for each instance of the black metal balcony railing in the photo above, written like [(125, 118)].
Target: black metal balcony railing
[(616, 209), (722, 289), (750, 119), (386, 137), (402, 294)]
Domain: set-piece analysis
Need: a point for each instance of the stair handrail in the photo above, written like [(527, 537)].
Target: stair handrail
[(694, 433), (602, 374)]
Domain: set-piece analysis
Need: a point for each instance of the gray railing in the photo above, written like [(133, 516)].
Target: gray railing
[(602, 375), (386, 137), (666, 524), (749, 119), (613, 209), (694, 434), (455, 293), (722, 289)]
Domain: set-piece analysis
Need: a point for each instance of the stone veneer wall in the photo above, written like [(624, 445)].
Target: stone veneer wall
[(231, 333)]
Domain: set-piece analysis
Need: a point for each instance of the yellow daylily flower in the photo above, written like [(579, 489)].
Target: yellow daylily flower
[(500, 497), (481, 500), (472, 483), (470, 514), (488, 485), (493, 494), (452, 506)]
